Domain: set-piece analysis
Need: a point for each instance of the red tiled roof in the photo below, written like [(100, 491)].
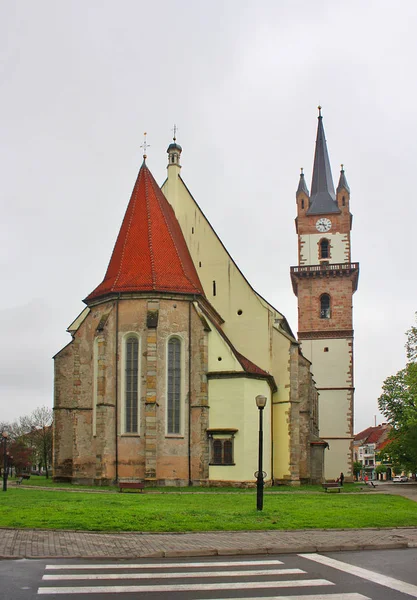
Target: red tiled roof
[(372, 435), (150, 253), (249, 366)]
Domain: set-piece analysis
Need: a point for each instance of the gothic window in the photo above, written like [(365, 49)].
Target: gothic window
[(174, 385), (302, 203), (131, 384), (324, 248), (343, 201), (325, 306)]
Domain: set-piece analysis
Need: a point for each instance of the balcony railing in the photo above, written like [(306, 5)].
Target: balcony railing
[(324, 268)]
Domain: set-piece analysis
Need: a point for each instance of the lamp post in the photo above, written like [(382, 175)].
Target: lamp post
[(260, 403), (5, 435)]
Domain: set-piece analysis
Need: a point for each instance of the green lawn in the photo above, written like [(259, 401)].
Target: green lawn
[(42, 481), (150, 512)]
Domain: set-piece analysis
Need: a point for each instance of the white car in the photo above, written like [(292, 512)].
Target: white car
[(400, 478)]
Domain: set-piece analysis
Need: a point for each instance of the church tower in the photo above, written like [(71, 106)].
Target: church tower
[(324, 282)]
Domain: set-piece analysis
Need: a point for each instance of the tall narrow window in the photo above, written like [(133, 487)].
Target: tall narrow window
[(325, 306), (324, 249), (302, 202), (131, 385), (217, 452), (174, 385)]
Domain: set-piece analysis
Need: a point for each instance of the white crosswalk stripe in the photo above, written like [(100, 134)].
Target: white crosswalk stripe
[(183, 587), (171, 575), (62, 579), (176, 565), (348, 596)]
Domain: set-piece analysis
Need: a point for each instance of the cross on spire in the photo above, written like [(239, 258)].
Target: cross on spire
[(145, 145)]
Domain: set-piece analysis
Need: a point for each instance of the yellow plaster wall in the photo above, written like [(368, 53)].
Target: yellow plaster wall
[(331, 368), (248, 330), (337, 459), (232, 405), (218, 348), (334, 405), (309, 254)]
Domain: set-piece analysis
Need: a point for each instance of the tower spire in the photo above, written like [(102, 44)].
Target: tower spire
[(343, 184), (323, 197), (302, 186)]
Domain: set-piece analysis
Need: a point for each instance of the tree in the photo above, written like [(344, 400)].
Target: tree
[(398, 403), (357, 468), (39, 433)]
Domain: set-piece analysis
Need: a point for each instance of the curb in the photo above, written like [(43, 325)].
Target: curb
[(192, 553)]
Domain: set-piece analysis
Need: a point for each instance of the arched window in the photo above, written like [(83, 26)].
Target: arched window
[(131, 384), (174, 385), (324, 248), (325, 306), (302, 202)]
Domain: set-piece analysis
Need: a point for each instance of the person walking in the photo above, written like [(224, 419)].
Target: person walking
[(341, 479)]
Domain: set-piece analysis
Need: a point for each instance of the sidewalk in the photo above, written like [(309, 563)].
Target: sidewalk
[(30, 543), (19, 543)]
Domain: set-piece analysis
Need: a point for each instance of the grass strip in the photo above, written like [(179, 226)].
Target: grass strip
[(38, 509)]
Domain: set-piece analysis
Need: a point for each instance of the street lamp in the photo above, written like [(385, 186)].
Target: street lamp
[(5, 435), (260, 474)]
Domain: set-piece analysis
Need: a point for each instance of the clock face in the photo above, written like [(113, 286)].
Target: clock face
[(323, 225)]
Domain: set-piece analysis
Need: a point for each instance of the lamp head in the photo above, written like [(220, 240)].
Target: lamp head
[(261, 401)]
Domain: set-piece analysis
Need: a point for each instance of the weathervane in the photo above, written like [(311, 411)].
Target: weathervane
[(145, 145)]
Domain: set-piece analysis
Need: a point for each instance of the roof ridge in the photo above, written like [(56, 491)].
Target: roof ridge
[(148, 211)]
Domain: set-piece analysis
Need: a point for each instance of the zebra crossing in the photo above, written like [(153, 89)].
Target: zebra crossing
[(216, 578)]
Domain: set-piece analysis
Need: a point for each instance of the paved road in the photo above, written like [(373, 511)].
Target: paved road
[(310, 576)]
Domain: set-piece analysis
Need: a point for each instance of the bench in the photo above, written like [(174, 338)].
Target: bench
[(21, 478), (131, 485), (332, 485)]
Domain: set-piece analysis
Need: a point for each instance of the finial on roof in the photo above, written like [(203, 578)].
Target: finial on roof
[(175, 129), (145, 145), (341, 168), (319, 107), (302, 172)]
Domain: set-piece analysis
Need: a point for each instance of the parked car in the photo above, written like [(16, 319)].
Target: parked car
[(400, 478)]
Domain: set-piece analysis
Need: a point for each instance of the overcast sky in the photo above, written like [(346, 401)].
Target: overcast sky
[(82, 80)]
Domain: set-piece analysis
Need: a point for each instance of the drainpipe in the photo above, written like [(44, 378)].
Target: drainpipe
[(189, 394), (116, 392)]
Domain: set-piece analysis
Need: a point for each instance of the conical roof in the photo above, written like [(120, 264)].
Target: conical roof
[(343, 184), (323, 197), (150, 253), (302, 186)]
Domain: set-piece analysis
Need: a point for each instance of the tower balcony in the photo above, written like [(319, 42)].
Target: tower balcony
[(325, 270)]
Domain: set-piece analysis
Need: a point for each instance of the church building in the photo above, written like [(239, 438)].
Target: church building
[(159, 380)]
